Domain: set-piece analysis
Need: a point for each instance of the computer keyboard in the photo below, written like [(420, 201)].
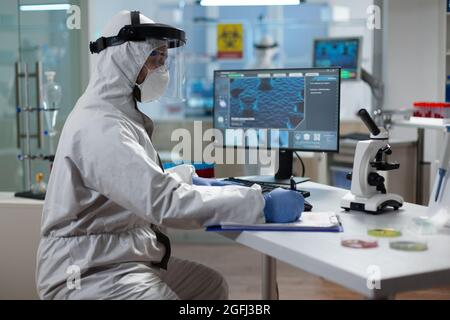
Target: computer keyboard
[(266, 187)]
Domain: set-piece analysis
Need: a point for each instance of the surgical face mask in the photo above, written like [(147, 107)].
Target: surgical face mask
[(154, 85)]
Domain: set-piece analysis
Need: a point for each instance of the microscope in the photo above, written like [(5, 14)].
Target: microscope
[(368, 191)]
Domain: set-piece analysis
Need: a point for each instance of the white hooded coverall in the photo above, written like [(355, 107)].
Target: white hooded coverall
[(106, 191)]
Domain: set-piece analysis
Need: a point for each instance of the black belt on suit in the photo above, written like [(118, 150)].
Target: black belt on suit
[(162, 238)]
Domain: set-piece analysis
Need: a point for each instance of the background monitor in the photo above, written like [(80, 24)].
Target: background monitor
[(339, 52)]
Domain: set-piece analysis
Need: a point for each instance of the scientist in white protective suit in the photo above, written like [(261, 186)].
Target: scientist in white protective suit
[(108, 193), (266, 49)]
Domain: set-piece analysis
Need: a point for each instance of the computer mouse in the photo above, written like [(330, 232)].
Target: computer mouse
[(308, 206)]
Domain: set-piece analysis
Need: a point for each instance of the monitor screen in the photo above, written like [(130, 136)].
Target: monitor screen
[(293, 109), (339, 52)]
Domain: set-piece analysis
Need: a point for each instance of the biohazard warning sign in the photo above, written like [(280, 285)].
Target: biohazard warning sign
[(230, 41)]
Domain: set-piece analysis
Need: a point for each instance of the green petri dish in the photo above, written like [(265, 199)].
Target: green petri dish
[(408, 246), (384, 233)]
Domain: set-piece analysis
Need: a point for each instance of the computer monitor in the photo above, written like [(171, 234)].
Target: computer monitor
[(339, 52), (294, 109)]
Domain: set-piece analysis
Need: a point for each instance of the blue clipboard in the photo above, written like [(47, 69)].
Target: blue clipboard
[(338, 228), (277, 228)]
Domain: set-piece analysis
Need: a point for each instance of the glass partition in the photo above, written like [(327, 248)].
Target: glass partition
[(39, 41)]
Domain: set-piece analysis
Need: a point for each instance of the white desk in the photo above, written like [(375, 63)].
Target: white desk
[(322, 254)]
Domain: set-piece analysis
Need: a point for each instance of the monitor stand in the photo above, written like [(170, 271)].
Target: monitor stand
[(284, 174)]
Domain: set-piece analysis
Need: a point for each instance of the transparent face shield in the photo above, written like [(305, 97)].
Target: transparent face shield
[(169, 59), (164, 76)]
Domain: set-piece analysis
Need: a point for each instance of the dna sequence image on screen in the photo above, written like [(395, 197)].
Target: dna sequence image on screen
[(267, 102)]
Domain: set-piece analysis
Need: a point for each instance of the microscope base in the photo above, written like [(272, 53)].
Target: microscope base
[(375, 204)]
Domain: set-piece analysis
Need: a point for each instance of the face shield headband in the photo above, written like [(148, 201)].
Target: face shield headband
[(141, 32)]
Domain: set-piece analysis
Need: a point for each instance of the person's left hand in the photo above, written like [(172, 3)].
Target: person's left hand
[(283, 206), (198, 181)]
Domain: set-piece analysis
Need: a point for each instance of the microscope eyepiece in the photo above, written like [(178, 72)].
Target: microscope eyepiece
[(368, 121)]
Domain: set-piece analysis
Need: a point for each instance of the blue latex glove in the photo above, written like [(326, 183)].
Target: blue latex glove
[(198, 181), (283, 205)]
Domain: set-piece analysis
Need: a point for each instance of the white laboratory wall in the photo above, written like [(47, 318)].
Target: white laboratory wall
[(412, 44), (412, 68)]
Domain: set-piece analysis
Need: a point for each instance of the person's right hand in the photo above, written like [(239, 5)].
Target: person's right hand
[(283, 206)]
